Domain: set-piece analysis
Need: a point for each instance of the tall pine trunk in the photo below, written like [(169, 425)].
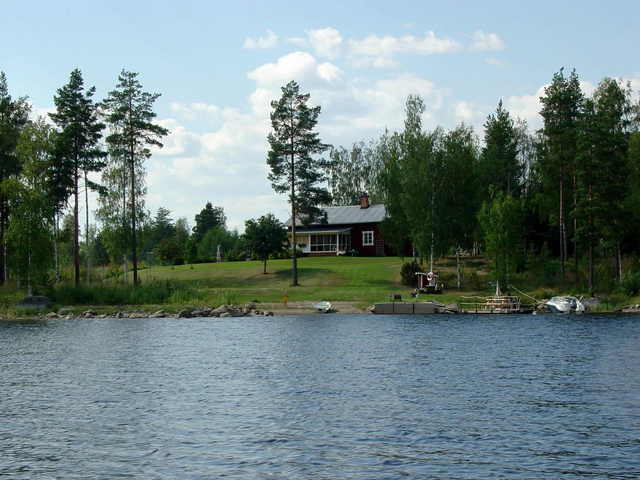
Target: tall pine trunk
[(294, 253), (124, 217), (590, 274), (590, 237), (3, 246), (56, 254), (575, 227), (561, 223), (619, 262), (86, 227), (76, 228), (134, 239)]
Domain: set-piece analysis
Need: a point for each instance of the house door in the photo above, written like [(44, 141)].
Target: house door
[(379, 247)]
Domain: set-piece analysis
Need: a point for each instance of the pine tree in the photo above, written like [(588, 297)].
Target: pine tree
[(561, 107), (208, 218), (293, 168), (603, 171), (13, 117), (500, 168), (78, 143), (130, 115)]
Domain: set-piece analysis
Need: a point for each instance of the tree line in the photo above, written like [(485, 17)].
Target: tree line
[(47, 166), (566, 193)]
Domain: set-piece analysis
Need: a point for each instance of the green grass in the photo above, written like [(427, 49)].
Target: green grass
[(334, 278), (363, 280)]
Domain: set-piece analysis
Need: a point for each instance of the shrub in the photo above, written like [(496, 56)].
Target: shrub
[(408, 273), (631, 283), (154, 292)]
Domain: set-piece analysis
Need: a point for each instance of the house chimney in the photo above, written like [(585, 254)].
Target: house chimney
[(364, 200)]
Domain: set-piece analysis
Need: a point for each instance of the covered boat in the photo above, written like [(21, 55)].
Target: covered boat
[(565, 304), (323, 306)]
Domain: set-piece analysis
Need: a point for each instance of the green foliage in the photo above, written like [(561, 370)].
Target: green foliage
[(130, 115), (429, 185), (208, 218), (500, 169), (208, 246), (265, 236), (293, 169), (78, 150), (408, 273), (13, 117), (561, 107), (154, 292), (631, 283), (353, 172), (292, 145), (501, 224), (170, 252)]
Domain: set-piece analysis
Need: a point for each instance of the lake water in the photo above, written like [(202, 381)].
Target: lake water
[(321, 397)]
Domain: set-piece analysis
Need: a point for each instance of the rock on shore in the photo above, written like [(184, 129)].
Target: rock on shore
[(248, 310)]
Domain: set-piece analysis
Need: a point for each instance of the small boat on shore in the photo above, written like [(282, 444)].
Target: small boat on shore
[(565, 304), (323, 306)]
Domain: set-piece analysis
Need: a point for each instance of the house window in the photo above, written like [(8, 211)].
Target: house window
[(323, 243), (345, 242), (367, 238)]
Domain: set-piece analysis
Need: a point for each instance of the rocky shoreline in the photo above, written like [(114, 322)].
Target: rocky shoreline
[(226, 311), (223, 311)]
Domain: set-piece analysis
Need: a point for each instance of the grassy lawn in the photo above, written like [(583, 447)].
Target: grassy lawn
[(363, 280)]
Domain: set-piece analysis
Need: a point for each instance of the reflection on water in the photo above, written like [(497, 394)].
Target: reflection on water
[(321, 397)]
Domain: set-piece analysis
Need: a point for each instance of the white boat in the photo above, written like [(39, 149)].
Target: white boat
[(323, 307), (565, 304)]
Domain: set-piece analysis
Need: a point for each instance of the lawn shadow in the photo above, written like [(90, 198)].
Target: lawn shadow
[(308, 273)]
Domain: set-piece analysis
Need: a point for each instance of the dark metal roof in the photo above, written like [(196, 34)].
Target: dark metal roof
[(323, 229), (351, 214)]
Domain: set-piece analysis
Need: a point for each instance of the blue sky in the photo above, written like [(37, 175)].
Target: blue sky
[(218, 64)]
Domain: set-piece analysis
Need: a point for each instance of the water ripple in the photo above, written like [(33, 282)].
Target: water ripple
[(321, 397)]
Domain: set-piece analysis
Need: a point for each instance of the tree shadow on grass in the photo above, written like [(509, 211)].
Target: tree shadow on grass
[(307, 274)]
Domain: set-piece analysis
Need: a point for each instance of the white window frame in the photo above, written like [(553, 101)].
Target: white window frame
[(366, 243)]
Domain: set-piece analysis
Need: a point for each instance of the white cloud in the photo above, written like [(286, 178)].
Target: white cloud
[(526, 107), (227, 164), (269, 40), (329, 72), (193, 110), (364, 111), (326, 42), (299, 66), (379, 51), (467, 113), (486, 42)]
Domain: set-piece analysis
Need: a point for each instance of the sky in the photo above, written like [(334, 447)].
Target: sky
[(218, 65)]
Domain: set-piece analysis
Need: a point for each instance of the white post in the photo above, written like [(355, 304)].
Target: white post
[(337, 242)]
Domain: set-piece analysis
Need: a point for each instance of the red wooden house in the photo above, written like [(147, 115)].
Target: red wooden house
[(349, 228)]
